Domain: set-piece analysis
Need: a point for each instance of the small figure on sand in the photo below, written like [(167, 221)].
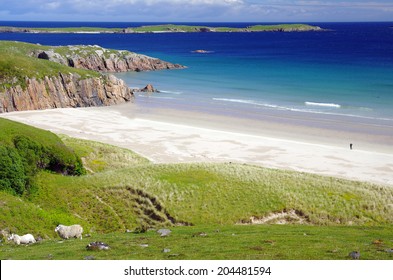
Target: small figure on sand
[(350, 146)]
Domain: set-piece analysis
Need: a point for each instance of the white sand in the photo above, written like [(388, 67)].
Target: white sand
[(169, 142)]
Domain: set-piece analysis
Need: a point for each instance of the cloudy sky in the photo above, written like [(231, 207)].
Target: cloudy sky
[(196, 10)]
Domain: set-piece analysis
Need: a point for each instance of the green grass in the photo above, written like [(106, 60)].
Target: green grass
[(290, 242), (200, 194), (99, 157), (123, 191), (16, 65), (10, 129)]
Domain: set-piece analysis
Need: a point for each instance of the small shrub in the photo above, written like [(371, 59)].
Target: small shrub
[(12, 172)]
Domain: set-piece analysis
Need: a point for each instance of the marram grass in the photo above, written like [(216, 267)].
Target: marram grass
[(125, 192)]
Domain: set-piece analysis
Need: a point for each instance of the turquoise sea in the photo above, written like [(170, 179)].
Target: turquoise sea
[(345, 71)]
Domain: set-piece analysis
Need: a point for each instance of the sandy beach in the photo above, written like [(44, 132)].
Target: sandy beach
[(171, 136)]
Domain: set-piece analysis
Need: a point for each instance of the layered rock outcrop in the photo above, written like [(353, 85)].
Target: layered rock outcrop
[(63, 86), (100, 59), (65, 90)]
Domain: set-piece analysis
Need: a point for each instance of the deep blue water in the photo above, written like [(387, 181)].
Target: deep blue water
[(347, 70)]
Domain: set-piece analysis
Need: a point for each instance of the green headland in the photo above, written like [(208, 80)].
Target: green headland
[(166, 28)]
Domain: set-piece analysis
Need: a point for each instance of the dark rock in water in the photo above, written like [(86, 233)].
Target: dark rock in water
[(149, 88), (164, 232), (97, 245), (201, 51), (354, 255)]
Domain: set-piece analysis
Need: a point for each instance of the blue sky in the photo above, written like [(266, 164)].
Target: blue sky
[(197, 10)]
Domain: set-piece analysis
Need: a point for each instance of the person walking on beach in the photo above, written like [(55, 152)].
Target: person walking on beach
[(350, 146)]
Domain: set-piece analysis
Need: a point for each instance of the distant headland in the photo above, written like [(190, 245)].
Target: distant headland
[(165, 28)]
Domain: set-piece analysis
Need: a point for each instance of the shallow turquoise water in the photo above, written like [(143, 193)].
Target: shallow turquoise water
[(346, 71)]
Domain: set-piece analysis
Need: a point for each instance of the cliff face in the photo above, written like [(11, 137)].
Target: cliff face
[(65, 90), (100, 59), (28, 81)]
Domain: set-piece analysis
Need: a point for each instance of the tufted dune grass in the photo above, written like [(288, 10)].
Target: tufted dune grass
[(125, 192)]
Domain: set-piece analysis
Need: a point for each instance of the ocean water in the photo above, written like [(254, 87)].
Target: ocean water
[(346, 71)]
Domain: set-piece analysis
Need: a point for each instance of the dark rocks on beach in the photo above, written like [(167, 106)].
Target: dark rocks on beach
[(97, 245)]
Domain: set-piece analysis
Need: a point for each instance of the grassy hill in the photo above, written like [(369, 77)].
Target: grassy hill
[(16, 64), (25, 151), (123, 191)]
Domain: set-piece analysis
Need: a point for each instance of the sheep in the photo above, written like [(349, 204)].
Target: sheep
[(24, 239), (66, 232)]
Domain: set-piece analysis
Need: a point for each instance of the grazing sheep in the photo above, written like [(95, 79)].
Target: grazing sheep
[(66, 232), (24, 239)]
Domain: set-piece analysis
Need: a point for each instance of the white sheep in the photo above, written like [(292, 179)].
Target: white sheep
[(66, 232), (24, 239)]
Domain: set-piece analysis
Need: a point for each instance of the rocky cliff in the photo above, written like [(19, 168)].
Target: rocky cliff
[(101, 59), (64, 90), (30, 80)]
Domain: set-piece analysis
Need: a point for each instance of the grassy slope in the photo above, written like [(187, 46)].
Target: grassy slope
[(210, 196), (16, 65)]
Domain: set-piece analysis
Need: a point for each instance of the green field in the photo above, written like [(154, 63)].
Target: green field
[(281, 242), (125, 192)]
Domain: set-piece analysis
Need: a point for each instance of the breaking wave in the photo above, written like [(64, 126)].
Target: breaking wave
[(333, 105), (171, 92)]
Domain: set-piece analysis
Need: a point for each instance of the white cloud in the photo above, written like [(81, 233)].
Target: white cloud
[(197, 10), (51, 5)]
